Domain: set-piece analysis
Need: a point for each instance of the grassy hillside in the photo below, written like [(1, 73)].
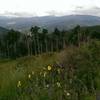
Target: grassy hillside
[(10, 74), (13, 70), (25, 78)]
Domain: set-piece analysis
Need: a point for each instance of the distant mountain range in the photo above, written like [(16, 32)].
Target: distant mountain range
[(49, 22)]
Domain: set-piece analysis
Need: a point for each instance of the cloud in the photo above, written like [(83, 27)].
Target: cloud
[(79, 10), (87, 11), (57, 13), (18, 14), (79, 7)]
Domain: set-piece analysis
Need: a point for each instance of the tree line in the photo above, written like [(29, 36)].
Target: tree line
[(39, 40)]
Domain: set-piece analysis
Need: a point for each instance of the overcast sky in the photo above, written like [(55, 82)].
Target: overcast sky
[(49, 7)]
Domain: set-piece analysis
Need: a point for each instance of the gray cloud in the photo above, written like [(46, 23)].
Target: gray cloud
[(18, 14), (78, 10), (90, 11), (56, 13)]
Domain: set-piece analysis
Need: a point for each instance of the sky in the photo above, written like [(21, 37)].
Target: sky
[(49, 7)]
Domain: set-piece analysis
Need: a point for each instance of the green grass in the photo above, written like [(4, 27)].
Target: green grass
[(13, 70)]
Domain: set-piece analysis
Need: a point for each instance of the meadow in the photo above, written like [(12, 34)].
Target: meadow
[(12, 71), (71, 74)]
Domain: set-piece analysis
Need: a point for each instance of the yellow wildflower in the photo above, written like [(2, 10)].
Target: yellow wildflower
[(47, 85), (58, 84), (29, 76), (19, 84), (49, 68), (45, 73), (68, 94)]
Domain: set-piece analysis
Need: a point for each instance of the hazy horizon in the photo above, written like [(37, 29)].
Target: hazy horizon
[(30, 8)]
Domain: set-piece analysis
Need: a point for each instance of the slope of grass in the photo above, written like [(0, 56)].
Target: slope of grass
[(13, 70)]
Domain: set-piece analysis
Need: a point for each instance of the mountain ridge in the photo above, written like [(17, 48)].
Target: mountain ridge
[(49, 22)]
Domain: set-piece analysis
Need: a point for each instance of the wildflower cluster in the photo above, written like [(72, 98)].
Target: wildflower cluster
[(19, 84), (47, 81)]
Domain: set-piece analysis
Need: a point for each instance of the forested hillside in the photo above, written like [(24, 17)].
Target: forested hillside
[(37, 41), (3, 31), (61, 65)]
